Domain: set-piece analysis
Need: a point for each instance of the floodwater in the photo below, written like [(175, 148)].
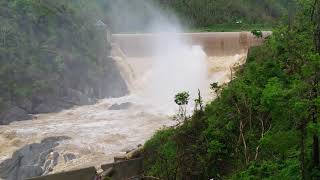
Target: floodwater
[(97, 134)]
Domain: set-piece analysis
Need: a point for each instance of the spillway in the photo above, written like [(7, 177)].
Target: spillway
[(139, 55), (213, 43), (94, 134)]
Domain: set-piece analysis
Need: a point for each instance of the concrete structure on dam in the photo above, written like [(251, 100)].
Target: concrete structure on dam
[(136, 53), (213, 43)]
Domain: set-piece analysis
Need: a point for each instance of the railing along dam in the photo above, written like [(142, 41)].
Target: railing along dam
[(213, 43)]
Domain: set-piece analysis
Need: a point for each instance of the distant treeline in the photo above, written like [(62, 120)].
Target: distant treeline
[(135, 15), (206, 13)]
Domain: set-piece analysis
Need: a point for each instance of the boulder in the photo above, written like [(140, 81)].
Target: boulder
[(29, 171), (13, 114), (69, 157), (50, 163), (122, 106), (79, 174), (45, 108), (25, 104), (136, 153), (79, 98), (31, 160)]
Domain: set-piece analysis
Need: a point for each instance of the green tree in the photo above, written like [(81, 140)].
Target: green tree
[(182, 99)]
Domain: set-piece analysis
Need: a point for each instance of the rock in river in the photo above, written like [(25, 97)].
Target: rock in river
[(32, 160)]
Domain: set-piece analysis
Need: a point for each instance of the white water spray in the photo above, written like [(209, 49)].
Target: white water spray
[(97, 133), (176, 67)]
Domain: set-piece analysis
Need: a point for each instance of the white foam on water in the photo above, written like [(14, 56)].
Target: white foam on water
[(97, 133)]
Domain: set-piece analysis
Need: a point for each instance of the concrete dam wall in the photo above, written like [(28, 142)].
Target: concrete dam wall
[(213, 43), (209, 55)]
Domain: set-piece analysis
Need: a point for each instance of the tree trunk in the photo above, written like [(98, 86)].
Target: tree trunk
[(245, 149)]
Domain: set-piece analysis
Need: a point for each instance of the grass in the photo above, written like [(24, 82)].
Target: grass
[(233, 28), (221, 28)]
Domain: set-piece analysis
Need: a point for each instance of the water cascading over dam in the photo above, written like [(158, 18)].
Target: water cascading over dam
[(212, 43), (173, 62), (155, 67)]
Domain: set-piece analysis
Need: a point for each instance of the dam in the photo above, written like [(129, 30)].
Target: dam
[(209, 57), (213, 43), (155, 67)]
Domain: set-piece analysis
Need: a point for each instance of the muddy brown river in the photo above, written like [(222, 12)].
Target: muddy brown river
[(96, 133)]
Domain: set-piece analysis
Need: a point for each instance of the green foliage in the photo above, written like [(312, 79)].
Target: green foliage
[(269, 170), (196, 15), (182, 98), (215, 88), (161, 153), (257, 33), (263, 124), (41, 40), (224, 14), (198, 102), (233, 27)]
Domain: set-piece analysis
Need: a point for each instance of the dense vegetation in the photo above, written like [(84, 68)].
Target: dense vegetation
[(30, 38), (223, 15), (196, 15), (263, 124), (53, 50), (47, 47)]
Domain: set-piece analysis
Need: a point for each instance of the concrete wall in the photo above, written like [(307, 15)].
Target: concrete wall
[(116, 171), (80, 174), (213, 43), (124, 169)]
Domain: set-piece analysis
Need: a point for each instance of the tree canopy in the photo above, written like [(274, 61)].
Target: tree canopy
[(264, 124)]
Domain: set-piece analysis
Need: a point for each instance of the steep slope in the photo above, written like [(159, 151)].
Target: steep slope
[(214, 15), (263, 125), (53, 56), (206, 12)]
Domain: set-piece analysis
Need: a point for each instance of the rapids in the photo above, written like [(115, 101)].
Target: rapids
[(97, 133)]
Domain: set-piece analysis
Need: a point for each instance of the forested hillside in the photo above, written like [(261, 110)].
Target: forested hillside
[(264, 124), (205, 15), (208, 13), (52, 56)]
